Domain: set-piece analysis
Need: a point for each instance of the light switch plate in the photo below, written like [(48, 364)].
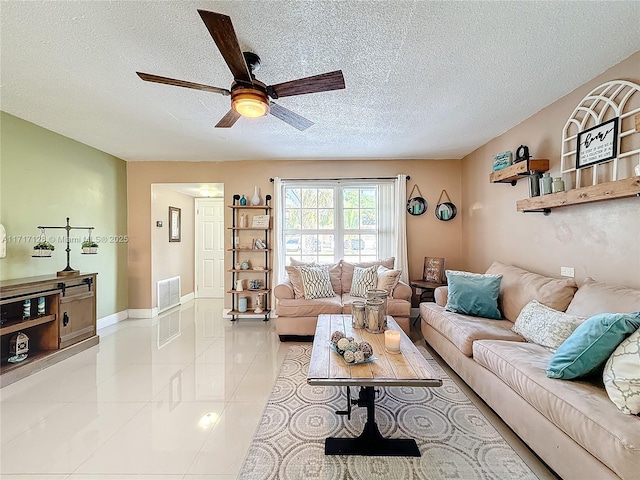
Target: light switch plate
[(567, 271)]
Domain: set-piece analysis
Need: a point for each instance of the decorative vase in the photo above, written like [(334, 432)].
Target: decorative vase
[(242, 304), (239, 287), (534, 185), (244, 265), (255, 200), (636, 170), (545, 183), (243, 201), (558, 185)]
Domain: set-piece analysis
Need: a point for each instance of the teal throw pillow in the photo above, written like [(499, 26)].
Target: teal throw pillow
[(473, 294), (591, 344)]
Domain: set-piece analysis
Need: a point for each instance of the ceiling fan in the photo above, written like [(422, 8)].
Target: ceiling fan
[(250, 97)]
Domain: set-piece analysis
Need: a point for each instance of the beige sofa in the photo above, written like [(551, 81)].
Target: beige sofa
[(297, 317), (571, 425)]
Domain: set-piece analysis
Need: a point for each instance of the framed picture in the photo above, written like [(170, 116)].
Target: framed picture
[(433, 270), (260, 221), (174, 224), (597, 144)]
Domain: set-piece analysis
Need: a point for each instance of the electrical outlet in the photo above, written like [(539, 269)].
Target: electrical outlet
[(567, 271)]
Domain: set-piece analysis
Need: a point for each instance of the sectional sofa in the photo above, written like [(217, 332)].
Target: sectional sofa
[(572, 425)]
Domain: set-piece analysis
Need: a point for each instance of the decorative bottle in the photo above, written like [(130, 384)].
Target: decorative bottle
[(242, 304), (558, 185), (41, 306), (545, 183), (534, 185), (26, 308), (255, 200), (243, 201)]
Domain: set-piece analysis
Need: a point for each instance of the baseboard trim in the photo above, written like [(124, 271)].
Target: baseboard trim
[(112, 319), (143, 312), (187, 298)]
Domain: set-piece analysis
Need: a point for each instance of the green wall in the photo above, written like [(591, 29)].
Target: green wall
[(44, 178)]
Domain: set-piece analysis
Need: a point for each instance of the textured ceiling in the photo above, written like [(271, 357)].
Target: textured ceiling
[(423, 79)]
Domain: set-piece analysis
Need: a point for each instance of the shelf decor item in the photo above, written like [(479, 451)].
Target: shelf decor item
[(545, 183), (392, 341), (502, 160), (242, 304), (260, 221), (41, 306), (89, 247), (67, 270), (255, 199), (18, 348), (26, 308), (374, 316), (597, 144), (358, 315), (534, 184), (558, 185), (243, 201), (174, 224), (43, 249)]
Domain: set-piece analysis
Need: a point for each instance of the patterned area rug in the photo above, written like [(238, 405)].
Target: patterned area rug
[(455, 439)]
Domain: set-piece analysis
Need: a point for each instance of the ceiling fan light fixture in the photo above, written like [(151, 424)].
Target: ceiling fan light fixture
[(250, 103)]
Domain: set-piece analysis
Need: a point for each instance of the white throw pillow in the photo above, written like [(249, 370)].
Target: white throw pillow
[(316, 282), (545, 326), (364, 279), (622, 375), (388, 279)]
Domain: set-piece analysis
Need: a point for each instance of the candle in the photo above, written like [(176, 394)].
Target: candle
[(392, 341)]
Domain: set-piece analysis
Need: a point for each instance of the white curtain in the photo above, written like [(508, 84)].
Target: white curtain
[(400, 205), (278, 260)]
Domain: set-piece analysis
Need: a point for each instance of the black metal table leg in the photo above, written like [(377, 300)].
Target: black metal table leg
[(371, 442)]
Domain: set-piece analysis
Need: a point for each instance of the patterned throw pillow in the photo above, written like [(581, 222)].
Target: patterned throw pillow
[(545, 326), (364, 279), (622, 375), (388, 279), (316, 282)]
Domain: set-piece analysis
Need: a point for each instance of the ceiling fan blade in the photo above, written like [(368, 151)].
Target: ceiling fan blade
[(229, 119), (289, 117), (222, 32), (318, 83), (147, 77)]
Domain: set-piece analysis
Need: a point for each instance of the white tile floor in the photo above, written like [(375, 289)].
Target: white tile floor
[(174, 397)]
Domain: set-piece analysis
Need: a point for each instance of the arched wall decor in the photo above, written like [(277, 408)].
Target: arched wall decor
[(617, 99)]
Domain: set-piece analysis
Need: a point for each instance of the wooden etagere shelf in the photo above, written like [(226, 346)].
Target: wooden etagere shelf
[(519, 170), (238, 254), (628, 187)]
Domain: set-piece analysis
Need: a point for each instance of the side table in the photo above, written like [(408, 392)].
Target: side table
[(426, 291)]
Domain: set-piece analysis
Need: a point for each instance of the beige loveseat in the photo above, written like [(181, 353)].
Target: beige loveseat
[(297, 316), (572, 425)]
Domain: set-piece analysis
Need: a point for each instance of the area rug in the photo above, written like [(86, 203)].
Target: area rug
[(456, 441)]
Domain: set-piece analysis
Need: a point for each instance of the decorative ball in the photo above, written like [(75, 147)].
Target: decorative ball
[(351, 339), (343, 343), (351, 347), (358, 356), (349, 356), (365, 347), (335, 336)]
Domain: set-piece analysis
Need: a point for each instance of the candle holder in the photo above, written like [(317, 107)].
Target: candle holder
[(392, 341), (374, 316), (358, 315)]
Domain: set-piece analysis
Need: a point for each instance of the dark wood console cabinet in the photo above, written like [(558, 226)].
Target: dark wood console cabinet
[(67, 326)]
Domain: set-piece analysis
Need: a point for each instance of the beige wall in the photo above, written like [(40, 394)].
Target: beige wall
[(426, 235), (600, 240), (45, 178), (171, 259)]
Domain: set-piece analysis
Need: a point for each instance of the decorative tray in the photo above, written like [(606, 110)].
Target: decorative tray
[(372, 358)]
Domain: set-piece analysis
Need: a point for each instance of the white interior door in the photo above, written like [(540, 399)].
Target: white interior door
[(209, 248)]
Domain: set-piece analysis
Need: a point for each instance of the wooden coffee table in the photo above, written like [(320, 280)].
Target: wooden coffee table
[(409, 368)]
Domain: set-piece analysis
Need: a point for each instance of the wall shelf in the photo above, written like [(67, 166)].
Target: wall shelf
[(628, 187), (519, 170)]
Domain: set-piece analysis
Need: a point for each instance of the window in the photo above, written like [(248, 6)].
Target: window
[(326, 221)]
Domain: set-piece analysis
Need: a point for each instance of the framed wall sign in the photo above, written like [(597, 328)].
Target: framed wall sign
[(174, 224), (597, 144)]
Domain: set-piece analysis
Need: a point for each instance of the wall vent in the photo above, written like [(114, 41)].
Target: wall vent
[(168, 293)]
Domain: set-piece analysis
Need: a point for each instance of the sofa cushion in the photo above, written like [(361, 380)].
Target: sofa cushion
[(364, 279), (545, 326), (301, 307), (316, 282), (518, 287), (591, 344), (473, 294), (293, 272), (347, 270), (594, 297), (463, 330), (581, 409), (622, 375), (387, 279)]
